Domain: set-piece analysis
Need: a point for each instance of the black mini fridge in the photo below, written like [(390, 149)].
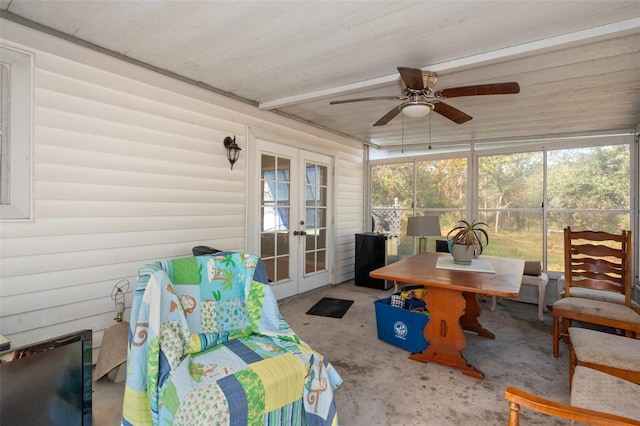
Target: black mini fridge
[(373, 251)]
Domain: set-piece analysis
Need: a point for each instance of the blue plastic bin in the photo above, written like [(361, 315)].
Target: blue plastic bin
[(401, 327)]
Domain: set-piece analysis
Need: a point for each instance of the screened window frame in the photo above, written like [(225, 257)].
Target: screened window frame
[(476, 150)]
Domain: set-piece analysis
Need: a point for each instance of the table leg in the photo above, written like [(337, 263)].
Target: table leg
[(470, 321), (444, 331)]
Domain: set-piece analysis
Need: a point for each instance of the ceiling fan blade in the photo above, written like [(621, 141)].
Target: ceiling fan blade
[(412, 78), (375, 98), (388, 116), (479, 89), (453, 114)]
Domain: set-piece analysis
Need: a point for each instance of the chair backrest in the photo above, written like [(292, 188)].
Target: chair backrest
[(598, 260)]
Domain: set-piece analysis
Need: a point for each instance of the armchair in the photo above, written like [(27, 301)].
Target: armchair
[(207, 345)]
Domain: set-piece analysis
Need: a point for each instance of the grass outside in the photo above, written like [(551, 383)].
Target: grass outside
[(521, 246), (516, 245)]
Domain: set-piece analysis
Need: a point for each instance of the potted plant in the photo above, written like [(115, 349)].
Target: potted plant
[(468, 239)]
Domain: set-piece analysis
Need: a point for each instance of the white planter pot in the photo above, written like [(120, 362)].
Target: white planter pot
[(462, 254)]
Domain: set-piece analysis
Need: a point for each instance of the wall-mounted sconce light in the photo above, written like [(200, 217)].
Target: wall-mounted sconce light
[(233, 150)]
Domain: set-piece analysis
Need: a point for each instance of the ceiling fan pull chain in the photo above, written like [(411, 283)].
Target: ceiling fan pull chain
[(429, 131), (402, 134)]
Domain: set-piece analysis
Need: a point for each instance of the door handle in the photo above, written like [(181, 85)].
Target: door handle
[(299, 233)]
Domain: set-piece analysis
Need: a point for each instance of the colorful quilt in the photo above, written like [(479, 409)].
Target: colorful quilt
[(207, 345)]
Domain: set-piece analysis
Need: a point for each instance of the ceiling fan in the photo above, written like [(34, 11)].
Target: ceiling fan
[(420, 98)]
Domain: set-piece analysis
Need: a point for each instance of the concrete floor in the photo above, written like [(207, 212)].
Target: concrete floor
[(107, 402), (382, 386)]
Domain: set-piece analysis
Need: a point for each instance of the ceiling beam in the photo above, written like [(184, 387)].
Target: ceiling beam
[(583, 36)]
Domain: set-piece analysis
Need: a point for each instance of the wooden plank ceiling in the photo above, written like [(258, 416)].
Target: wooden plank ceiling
[(577, 63)]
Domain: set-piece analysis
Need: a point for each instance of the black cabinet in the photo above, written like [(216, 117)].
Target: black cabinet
[(374, 251)]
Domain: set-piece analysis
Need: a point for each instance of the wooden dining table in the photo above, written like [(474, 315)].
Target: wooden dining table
[(451, 299)]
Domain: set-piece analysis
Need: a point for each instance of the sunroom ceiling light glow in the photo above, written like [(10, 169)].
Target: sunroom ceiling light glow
[(417, 110)]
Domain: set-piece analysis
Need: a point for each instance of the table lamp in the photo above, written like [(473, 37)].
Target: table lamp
[(420, 226)]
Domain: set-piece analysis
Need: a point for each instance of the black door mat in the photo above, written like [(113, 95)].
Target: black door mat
[(329, 307)]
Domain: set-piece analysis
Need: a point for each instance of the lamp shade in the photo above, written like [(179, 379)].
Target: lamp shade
[(420, 226)]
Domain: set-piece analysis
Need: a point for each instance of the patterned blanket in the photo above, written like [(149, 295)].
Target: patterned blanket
[(207, 345)]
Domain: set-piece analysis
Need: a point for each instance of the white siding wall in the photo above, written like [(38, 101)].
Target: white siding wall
[(129, 167), (349, 210)]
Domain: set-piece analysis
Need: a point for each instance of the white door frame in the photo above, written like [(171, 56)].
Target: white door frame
[(254, 192)]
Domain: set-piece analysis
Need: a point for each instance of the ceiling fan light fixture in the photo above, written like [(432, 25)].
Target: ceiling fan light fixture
[(417, 110)]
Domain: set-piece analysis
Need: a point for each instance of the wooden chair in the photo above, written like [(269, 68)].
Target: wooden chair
[(609, 353), (589, 403), (590, 264), (587, 293)]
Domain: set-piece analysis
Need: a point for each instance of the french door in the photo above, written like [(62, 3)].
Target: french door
[(291, 215)]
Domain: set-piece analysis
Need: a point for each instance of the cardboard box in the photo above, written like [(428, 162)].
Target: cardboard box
[(401, 327)]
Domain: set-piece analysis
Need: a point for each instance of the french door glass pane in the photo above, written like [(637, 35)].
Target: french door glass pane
[(310, 241), (322, 217), (282, 239), (270, 267), (284, 169), (282, 268), (315, 217), (267, 245), (322, 239), (275, 216), (321, 260)]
